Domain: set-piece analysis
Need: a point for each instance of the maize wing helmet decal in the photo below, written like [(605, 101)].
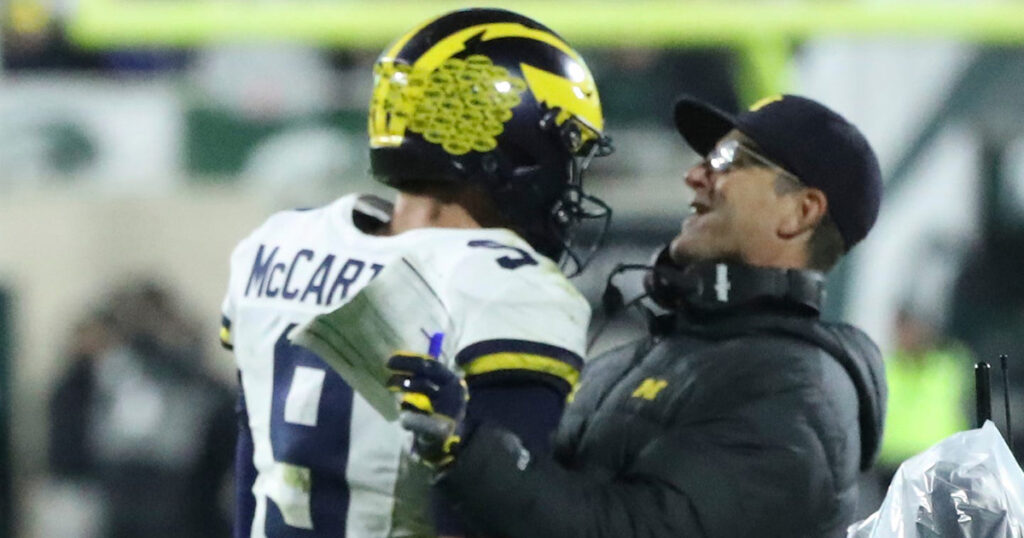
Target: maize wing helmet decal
[(574, 97), (463, 103)]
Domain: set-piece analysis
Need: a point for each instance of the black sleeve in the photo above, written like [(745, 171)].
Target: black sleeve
[(723, 478), (529, 409), (506, 491)]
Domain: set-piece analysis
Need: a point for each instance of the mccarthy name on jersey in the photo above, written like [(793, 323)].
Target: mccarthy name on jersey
[(329, 284), (326, 464)]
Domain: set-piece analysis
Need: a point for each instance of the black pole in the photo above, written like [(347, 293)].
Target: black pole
[(1006, 399), (982, 392)]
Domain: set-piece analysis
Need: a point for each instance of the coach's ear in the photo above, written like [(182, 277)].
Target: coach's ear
[(804, 210)]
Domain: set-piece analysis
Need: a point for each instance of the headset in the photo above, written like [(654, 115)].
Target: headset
[(702, 287), (713, 286)]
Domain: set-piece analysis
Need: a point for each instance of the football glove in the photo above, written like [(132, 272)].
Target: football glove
[(433, 402)]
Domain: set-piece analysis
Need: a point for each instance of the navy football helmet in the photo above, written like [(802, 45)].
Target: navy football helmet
[(493, 98)]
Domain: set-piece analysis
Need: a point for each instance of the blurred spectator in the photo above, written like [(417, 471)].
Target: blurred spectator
[(35, 38), (137, 419), (929, 391)]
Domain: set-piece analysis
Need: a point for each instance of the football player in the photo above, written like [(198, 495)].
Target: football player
[(483, 121)]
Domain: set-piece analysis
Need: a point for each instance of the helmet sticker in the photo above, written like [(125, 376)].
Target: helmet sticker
[(462, 105)]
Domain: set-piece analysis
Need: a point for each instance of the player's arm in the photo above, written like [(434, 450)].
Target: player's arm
[(520, 333), (693, 479), (245, 470), (519, 385), (690, 476)]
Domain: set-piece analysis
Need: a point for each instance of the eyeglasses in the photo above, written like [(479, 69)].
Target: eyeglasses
[(727, 156)]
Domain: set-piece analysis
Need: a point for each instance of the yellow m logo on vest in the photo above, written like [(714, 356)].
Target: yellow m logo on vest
[(650, 388)]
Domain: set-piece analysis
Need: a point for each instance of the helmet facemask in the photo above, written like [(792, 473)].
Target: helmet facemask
[(572, 212)]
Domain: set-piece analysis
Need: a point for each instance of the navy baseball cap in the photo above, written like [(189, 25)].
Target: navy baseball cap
[(806, 138)]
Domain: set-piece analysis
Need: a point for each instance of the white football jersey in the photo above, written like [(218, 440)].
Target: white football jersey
[(327, 464)]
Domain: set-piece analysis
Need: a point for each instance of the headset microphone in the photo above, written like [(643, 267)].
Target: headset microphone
[(612, 300), (707, 287)]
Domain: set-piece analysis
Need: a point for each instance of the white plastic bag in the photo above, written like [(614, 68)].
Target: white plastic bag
[(966, 486)]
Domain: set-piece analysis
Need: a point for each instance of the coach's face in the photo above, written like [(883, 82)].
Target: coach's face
[(737, 212)]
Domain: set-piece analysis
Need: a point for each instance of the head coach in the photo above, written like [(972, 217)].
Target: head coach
[(742, 414)]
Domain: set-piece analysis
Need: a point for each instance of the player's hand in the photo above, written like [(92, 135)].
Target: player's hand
[(433, 405)]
